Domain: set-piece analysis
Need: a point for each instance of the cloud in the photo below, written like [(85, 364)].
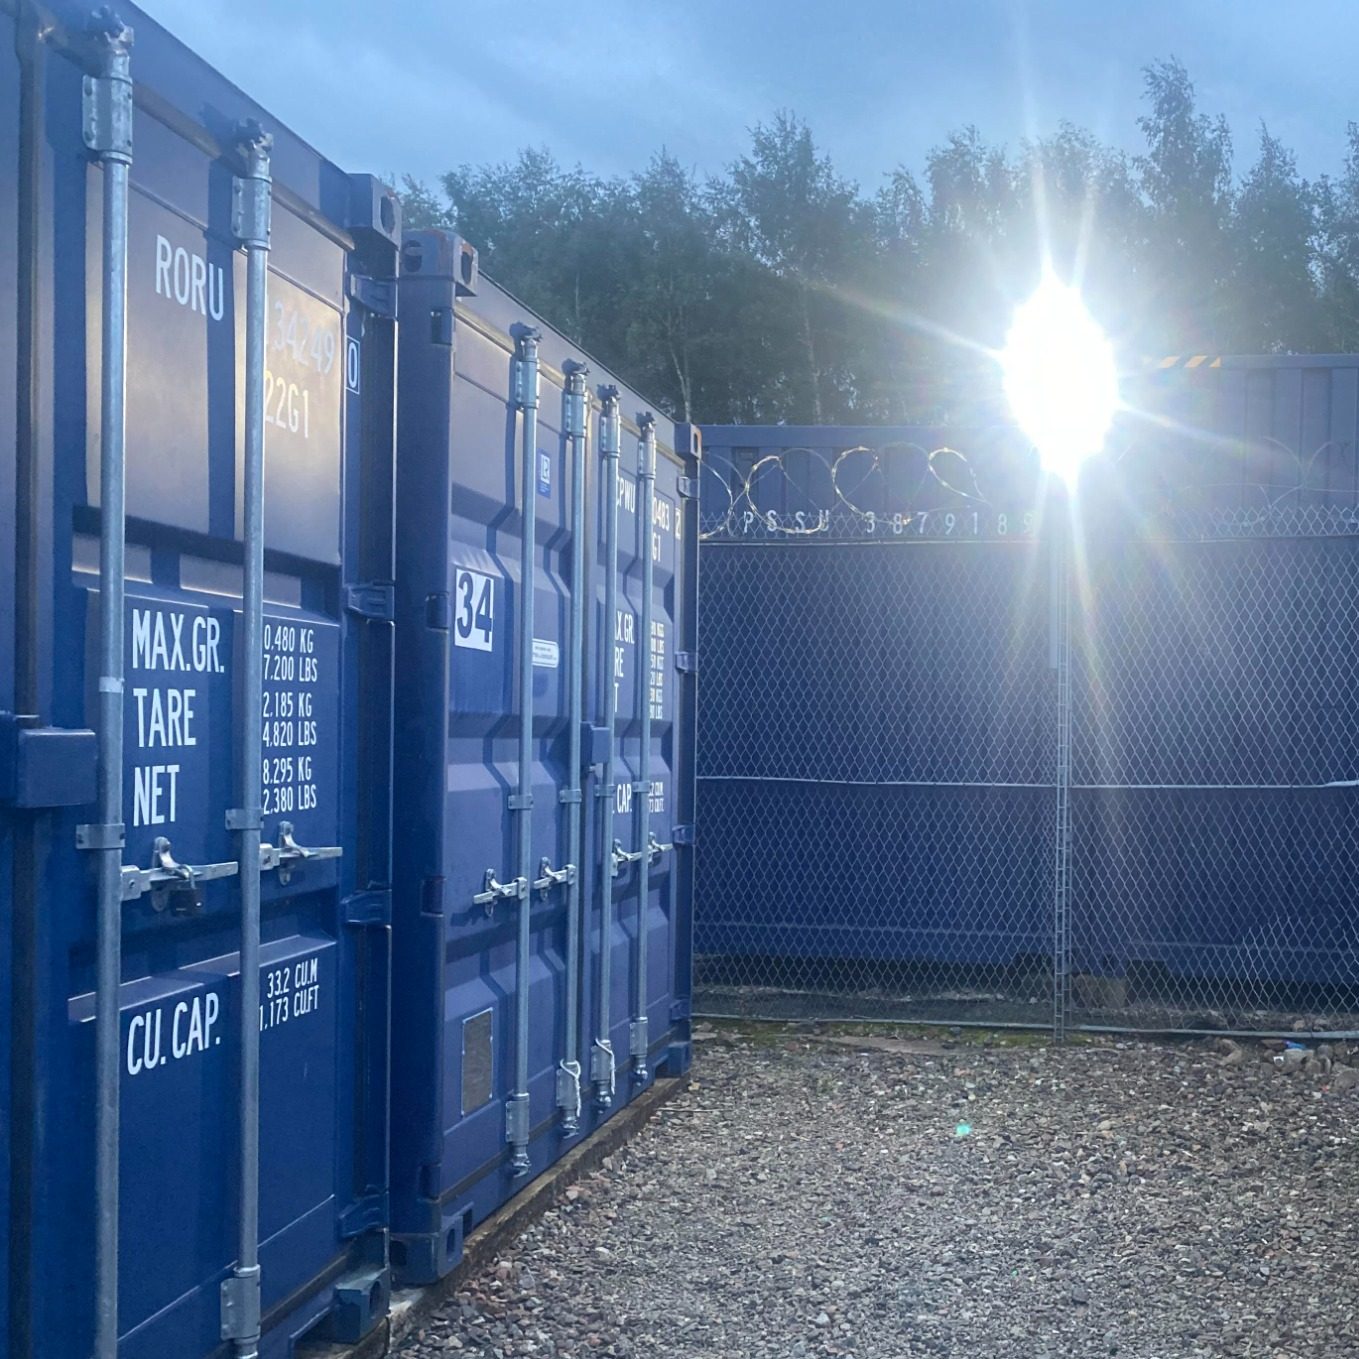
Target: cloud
[(428, 84), (602, 83)]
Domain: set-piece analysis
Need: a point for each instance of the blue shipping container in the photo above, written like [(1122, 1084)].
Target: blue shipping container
[(531, 997), (313, 788)]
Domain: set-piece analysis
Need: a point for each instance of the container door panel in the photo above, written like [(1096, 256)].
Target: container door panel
[(484, 550), (663, 695), (183, 658), (630, 662)]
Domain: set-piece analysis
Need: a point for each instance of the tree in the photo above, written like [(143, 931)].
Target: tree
[(777, 291), (965, 291), (892, 356), (792, 214), (543, 229), (1337, 246), (671, 308), (420, 206), (1274, 226), (1186, 177)]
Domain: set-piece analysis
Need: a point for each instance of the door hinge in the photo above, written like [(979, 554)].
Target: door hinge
[(375, 601), (377, 294), (681, 1009), (364, 1214), (686, 662), (371, 907), (443, 327), (439, 611), (594, 744), (682, 835), (688, 488), (241, 1305), (107, 101)]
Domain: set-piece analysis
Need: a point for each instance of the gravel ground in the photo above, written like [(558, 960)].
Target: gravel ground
[(894, 1198)]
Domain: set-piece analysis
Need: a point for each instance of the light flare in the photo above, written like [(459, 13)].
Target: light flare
[(1060, 377)]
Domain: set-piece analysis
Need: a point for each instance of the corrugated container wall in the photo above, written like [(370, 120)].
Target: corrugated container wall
[(324, 651), (545, 709)]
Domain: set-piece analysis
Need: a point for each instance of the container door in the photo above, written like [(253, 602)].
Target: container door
[(653, 666), (323, 969)]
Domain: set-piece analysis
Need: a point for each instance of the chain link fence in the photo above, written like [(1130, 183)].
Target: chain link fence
[(1215, 746), (985, 759)]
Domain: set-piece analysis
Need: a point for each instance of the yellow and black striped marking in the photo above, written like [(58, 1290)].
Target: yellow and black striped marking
[(1190, 361)]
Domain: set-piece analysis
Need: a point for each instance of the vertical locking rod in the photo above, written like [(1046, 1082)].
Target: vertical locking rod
[(646, 506), (526, 399), (602, 1054), (108, 133), (251, 205), (576, 406)]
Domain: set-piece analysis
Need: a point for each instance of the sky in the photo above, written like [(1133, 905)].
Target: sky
[(424, 85)]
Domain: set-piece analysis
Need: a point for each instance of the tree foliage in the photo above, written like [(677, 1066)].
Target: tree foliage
[(781, 291)]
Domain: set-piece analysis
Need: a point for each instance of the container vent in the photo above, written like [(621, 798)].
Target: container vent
[(476, 1061)]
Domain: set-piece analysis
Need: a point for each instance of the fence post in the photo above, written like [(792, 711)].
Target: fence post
[(1058, 521)]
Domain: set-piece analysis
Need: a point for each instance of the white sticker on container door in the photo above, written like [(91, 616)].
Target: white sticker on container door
[(473, 610)]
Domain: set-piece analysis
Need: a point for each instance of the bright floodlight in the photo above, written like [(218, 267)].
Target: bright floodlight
[(1059, 377)]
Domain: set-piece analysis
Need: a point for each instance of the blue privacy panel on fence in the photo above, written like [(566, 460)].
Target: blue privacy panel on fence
[(876, 736), (812, 871), (878, 756), (1216, 684), (1248, 886), (460, 597), (937, 674), (323, 980)]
